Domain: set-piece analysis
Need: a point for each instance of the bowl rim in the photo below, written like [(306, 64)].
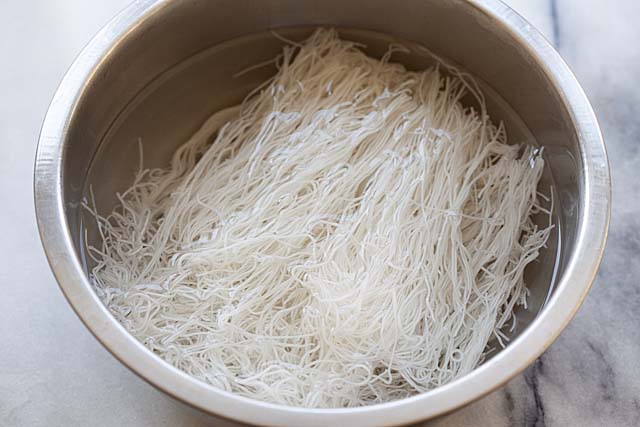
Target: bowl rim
[(560, 309)]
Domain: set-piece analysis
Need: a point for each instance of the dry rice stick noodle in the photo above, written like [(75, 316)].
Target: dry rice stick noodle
[(349, 235)]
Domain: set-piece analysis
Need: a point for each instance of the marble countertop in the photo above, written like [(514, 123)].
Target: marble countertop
[(53, 372)]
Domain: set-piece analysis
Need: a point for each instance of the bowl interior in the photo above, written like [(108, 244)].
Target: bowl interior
[(171, 108)]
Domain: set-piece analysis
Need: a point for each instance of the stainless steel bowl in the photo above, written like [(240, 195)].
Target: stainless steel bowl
[(160, 67)]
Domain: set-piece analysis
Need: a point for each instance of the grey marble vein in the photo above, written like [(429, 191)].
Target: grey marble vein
[(555, 23), (53, 372)]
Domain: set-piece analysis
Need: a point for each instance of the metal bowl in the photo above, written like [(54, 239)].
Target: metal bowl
[(160, 67)]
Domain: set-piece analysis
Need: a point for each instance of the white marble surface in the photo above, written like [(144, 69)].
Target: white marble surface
[(53, 372)]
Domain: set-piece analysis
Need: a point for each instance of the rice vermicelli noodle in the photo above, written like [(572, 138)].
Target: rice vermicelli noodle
[(350, 234)]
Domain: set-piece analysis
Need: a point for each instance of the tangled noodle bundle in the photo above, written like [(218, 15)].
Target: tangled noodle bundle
[(349, 235)]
